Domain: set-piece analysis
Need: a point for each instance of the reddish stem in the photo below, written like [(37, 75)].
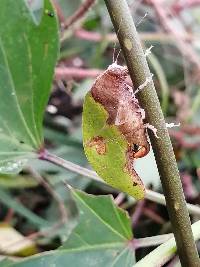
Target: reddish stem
[(70, 72), (186, 49), (59, 11), (138, 212), (79, 13), (181, 5), (111, 37), (155, 217)]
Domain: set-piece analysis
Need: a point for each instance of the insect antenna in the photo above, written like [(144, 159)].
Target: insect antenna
[(120, 50), (141, 19), (114, 51), (114, 48)]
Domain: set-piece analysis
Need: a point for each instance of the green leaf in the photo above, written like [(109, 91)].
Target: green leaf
[(98, 215), (28, 53), (5, 262), (111, 164), (102, 237)]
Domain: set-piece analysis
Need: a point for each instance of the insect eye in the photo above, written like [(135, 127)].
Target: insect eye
[(136, 147)]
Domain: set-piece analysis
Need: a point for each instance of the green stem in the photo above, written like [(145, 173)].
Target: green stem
[(68, 165), (166, 251), (163, 150), (195, 105)]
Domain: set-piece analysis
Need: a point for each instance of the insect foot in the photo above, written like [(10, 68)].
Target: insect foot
[(145, 83), (172, 125), (152, 128)]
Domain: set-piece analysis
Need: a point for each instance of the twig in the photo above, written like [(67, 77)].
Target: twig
[(150, 241), (68, 72), (9, 216), (137, 212), (94, 36), (59, 11), (163, 253), (150, 195), (179, 136), (189, 187), (119, 198), (78, 14), (181, 5), (146, 36), (163, 150), (57, 198), (185, 48), (191, 129), (155, 217)]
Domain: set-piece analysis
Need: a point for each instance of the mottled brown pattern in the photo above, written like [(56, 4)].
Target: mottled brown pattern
[(111, 90), (123, 108), (99, 143)]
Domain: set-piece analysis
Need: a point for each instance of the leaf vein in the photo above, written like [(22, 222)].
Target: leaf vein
[(107, 225), (15, 95)]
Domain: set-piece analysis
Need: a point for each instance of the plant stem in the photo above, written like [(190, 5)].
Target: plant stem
[(163, 253), (151, 241), (80, 73), (150, 195), (79, 13), (163, 150)]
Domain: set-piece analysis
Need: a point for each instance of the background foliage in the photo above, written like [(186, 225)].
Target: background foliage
[(35, 202)]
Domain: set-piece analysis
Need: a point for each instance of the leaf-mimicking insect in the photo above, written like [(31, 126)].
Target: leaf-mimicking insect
[(113, 130), (112, 91)]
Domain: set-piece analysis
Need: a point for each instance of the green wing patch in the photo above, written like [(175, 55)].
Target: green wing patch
[(106, 149)]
